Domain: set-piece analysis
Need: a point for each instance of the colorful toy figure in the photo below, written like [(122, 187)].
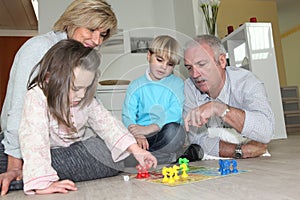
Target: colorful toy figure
[(142, 172), (228, 166)]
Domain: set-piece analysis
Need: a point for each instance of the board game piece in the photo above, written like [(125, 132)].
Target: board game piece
[(142, 172), (184, 161), (234, 167), (195, 174), (176, 168), (184, 169), (165, 174), (126, 178), (227, 166), (171, 175)]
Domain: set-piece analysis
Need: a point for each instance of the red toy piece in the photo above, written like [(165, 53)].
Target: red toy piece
[(142, 172)]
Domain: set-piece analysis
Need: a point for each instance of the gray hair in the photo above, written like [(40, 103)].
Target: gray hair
[(212, 41)]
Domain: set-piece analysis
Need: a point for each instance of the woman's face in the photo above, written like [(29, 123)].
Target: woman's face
[(82, 80), (89, 38)]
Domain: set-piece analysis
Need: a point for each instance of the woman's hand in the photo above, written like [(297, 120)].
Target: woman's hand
[(14, 172), (7, 177), (58, 187)]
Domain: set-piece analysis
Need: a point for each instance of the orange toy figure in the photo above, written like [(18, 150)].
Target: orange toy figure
[(142, 171)]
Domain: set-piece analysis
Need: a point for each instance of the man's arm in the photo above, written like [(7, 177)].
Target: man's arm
[(250, 150)]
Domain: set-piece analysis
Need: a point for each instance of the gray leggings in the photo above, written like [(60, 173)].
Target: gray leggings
[(82, 161)]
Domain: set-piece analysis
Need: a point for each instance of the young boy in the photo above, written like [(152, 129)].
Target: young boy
[(152, 109)]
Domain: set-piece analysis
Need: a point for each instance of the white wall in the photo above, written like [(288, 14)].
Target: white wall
[(134, 17), (49, 12)]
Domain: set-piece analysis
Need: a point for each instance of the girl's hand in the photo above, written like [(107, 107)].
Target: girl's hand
[(145, 158), (58, 187)]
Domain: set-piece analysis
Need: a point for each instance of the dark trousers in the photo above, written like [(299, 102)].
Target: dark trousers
[(166, 145), (81, 161)]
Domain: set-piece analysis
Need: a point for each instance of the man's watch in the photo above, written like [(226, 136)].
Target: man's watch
[(238, 153)]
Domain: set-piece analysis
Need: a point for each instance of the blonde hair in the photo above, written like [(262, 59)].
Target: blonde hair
[(167, 46), (90, 14)]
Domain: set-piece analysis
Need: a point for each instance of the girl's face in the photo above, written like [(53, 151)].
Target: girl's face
[(89, 38), (82, 80), (160, 66)]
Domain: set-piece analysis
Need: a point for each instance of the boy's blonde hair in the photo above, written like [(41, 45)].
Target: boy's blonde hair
[(90, 14), (166, 46)]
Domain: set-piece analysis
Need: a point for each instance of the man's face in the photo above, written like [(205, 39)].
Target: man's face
[(206, 74)]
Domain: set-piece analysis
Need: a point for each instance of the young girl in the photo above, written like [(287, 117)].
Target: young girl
[(59, 106), (152, 109)]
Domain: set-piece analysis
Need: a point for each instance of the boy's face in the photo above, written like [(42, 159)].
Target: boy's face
[(160, 66)]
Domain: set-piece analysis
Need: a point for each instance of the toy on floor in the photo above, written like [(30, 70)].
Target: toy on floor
[(170, 174), (227, 166), (142, 171), (184, 174)]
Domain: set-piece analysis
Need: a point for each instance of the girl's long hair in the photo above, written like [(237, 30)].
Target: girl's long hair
[(54, 75)]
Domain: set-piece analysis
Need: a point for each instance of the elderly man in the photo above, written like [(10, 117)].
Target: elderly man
[(226, 110)]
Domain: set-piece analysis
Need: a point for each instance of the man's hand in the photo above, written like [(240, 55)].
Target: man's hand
[(253, 149), (58, 187), (200, 115)]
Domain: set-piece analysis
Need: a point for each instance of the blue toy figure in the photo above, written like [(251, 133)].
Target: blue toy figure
[(226, 165)]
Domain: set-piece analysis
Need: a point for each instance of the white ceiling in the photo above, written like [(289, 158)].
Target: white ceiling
[(19, 15)]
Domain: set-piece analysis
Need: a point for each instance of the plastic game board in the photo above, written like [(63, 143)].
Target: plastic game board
[(195, 174)]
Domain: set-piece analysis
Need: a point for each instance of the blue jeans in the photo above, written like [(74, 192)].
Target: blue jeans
[(169, 139), (166, 145)]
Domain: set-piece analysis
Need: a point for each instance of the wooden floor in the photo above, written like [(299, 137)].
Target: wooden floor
[(274, 178)]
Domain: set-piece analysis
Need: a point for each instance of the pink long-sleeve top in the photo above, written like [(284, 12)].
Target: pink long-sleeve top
[(39, 132)]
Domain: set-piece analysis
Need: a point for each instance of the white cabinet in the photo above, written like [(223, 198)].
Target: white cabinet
[(251, 46)]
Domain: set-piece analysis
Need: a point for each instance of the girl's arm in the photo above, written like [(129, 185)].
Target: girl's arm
[(145, 158), (35, 143)]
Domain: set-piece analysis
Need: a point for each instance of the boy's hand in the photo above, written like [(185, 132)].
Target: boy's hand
[(136, 129), (142, 142)]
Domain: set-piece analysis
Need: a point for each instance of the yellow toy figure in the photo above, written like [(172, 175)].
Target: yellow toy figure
[(171, 174), (175, 169), (165, 174), (184, 169)]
